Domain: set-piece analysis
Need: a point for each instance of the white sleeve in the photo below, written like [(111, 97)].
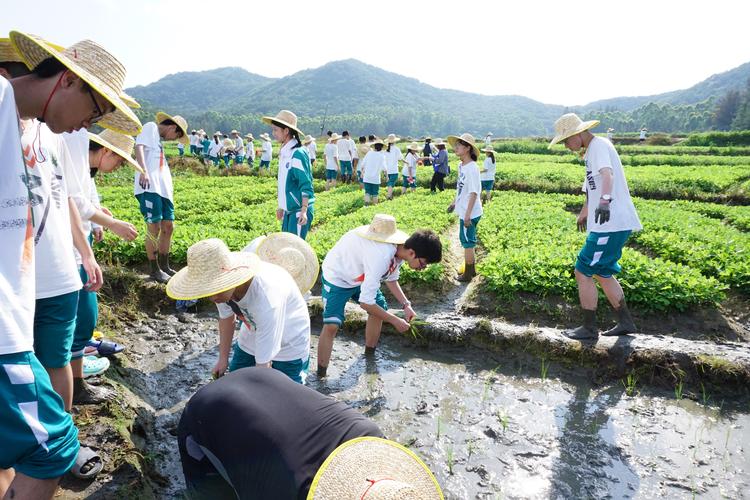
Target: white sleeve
[(269, 326), (224, 311), (74, 175), (374, 269), (597, 158), (473, 184)]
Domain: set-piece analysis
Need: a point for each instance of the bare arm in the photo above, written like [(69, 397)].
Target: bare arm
[(80, 242), (397, 292), (226, 333)]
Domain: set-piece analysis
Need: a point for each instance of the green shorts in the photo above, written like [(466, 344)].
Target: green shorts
[(86, 318), (37, 434), (407, 184), (265, 164), (487, 185), (335, 299), (155, 208), (54, 326), (331, 174), (468, 235), (371, 189), (289, 223), (295, 370), (346, 167), (601, 253), (392, 180)]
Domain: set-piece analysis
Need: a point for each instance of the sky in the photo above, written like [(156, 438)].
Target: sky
[(557, 52)]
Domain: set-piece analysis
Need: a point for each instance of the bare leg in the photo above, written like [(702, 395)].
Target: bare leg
[(76, 365), (165, 236), (152, 240), (469, 255), (62, 383), (23, 486), (612, 290), (325, 344), (372, 331), (587, 293)]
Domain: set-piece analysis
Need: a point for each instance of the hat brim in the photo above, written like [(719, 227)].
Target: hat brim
[(393, 141), (161, 116), (397, 238), (346, 471), (8, 53), (581, 128), (272, 120), (187, 286), (121, 153), (129, 100), (453, 139), (34, 50), (273, 243)]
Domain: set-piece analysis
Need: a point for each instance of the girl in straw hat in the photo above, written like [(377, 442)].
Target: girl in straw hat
[(295, 190), (250, 150), (275, 331), (312, 149), (214, 152), (392, 158), (409, 172), (487, 174), (609, 217), (266, 154), (354, 269), (333, 167), (372, 167), (467, 204), (154, 191), (287, 441)]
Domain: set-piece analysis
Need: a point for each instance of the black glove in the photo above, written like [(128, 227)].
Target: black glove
[(601, 214)]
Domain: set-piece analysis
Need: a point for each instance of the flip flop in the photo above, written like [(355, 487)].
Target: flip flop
[(87, 459), (93, 366), (106, 347)]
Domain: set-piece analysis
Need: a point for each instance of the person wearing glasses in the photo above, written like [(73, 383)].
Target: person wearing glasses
[(154, 191), (354, 269)]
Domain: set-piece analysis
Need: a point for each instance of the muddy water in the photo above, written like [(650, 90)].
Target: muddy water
[(488, 426)]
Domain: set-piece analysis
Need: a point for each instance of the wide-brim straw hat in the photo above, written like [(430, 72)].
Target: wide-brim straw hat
[(372, 467), (249, 136), (439, 142), (392, 139), (488, 149), (335, 137), (383, 229), (234, 132), (308, 139), (8, 53), (465, 137), (120, 144), (377, 140), (413, 146), (285, 118), (265, 137), (129, 100), (569, 125), (94, 65), (294, 254), (211, 269), (180, 121)]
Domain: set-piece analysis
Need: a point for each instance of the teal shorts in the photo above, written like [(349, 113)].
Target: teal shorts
[(289, 223), (265, 164), (295, 370), (346, 167), (239, 159), (487, 185), (601, 253), (371, 189), (407, 184), (335, 299), (37, 434), (155, 208), (215, 160), (331, 174), (54, 327), (392, 180), (86, 318), (468, 235)]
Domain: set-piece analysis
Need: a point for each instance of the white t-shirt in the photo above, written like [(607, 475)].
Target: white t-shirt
[(239, 146), (312, 150), (392, 158), (356, 261), (468, 182), (267, 151), (642, 135), (17, 273), (346, 149), (623, 217), (78, 177), (372, 167), (331, 152), (215, 148), (56, 269), (275, 323), (410, 169), (160, 177), (488, 170), (250, 149)]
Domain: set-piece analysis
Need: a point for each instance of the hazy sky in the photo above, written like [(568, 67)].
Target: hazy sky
[(553, 51)]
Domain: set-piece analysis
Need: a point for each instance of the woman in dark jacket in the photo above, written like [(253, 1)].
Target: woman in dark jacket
[(440, 167)]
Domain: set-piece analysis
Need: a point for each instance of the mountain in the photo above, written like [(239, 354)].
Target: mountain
[(714, 86), (196, 91)]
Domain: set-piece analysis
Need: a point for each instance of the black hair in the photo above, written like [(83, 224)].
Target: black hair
[(362, 139), (389, 147), (15, 69), (177, 128), (329, 133), (370, 137), (440, 146), (378, 147), (93, 148), (293, 133), (345, 133), (52, 67), (491, 156), (426, 245)]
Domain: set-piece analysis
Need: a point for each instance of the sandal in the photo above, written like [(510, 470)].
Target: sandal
[(93, 366), (88, 464), (106, 347)]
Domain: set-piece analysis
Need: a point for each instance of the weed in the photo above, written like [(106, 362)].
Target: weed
[(545, 368), (630, 382), (449, 458)]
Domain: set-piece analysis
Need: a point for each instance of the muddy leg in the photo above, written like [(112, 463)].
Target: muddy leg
[(372, 331), (325, 346)]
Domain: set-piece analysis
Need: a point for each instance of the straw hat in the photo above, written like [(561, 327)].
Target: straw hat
[(217, 133), (383, 229), (428, 138), (118, 143), (569, 125), (250, 136), (286, 118), (265, 137), (211, 269), (439, 142), (377, 140), (94, 65), (293, 254), (488, 149), (392, 138), (234, 132), (308, 139), (180, 121), (8, 53), (465, 137), (413, 146), (377, 468), (610, 129), (334, 137), (129, 100)]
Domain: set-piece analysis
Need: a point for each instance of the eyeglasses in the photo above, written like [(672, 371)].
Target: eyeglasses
[(422, 263), (99, 113)]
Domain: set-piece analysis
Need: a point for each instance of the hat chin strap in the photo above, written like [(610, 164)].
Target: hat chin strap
[(46, 104)]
